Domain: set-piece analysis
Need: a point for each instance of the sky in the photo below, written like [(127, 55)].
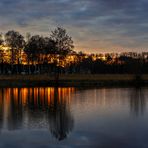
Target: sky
[(95, 25)]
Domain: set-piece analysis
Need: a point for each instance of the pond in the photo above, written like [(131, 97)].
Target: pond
[(73, 117)]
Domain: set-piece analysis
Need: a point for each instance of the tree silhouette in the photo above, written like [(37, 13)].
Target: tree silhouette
[(64, 42), (64, 46), (34, 48), (16, 43), (55, 54), (38, 48), (48, 52)]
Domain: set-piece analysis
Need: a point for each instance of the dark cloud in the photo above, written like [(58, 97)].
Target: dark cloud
[(109, 24)]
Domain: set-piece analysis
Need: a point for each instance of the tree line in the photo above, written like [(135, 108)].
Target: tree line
[(55, 54), (37, 51)]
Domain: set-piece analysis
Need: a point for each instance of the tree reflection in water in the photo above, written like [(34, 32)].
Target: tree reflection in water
[(61, 121), (15, 113), (137, 101), (35, 107)]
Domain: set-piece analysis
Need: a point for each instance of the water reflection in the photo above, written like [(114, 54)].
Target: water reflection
[(37, 108), (137, 101), (61, 121), (14, 112), (102, 117)]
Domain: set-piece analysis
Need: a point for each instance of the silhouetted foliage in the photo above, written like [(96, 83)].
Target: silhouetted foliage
[(55, 55), (16, 43), (64, 42)]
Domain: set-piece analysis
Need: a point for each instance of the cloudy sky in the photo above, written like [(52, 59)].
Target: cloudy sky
[(95, 25)]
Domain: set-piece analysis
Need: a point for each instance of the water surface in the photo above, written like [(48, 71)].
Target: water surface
[(72, 117)]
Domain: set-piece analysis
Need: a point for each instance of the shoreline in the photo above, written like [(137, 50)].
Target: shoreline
[(73, 80)]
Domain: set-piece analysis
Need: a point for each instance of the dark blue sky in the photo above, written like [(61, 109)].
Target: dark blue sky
[(95, 25)]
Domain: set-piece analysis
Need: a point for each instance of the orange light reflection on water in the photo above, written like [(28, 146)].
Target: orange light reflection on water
[(38, 96)]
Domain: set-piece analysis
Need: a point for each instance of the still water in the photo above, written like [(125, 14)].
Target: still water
[(72, 117)]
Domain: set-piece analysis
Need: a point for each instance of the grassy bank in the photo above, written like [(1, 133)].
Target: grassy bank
[(70, 80)]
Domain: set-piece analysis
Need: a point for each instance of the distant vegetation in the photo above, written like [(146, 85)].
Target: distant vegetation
[(55, 54)]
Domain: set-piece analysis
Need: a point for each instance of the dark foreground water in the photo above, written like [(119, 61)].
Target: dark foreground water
[(70, 117)]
